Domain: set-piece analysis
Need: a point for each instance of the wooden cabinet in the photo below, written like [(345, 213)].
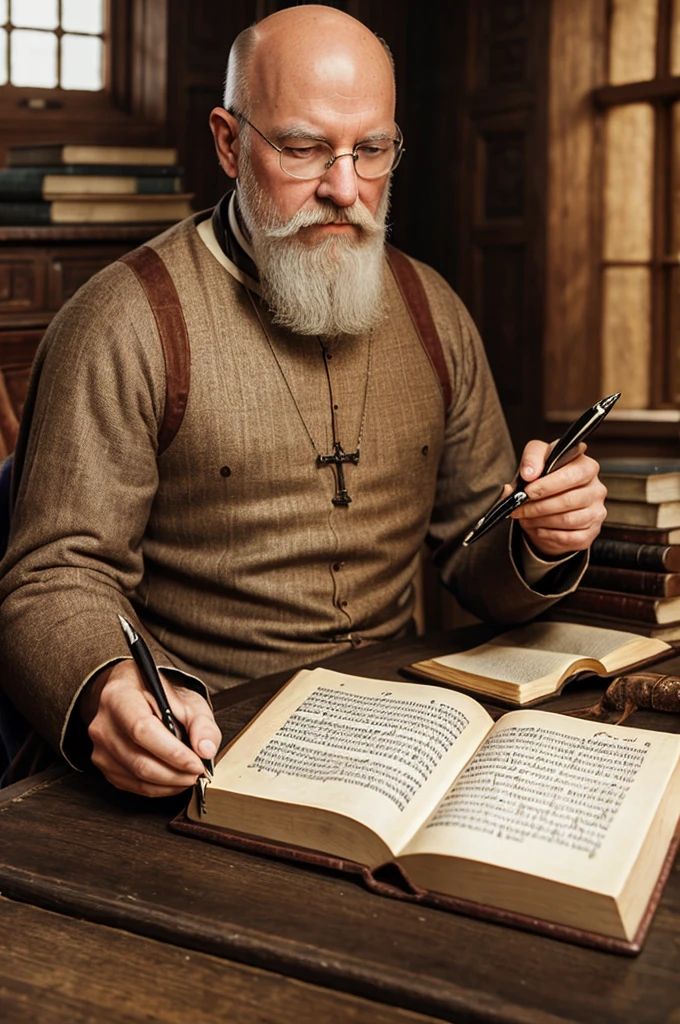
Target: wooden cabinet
[(40, 269)]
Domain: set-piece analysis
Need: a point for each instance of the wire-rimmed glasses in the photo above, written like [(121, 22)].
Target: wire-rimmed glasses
[(308, 158)]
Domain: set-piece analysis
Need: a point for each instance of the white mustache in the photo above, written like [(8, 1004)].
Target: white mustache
[(357, 214)]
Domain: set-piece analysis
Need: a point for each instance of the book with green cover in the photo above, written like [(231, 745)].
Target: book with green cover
[(26, 183)]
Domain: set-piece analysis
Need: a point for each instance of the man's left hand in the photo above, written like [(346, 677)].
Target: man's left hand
[(566, 507)]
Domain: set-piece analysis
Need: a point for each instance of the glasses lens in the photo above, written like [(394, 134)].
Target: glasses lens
[(375, 160), (306, 159)]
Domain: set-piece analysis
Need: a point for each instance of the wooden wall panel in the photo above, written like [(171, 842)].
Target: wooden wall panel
[(503, 200), (571, 340)]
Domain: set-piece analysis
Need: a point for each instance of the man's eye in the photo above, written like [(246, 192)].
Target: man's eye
[(377, 149), (303, 152)]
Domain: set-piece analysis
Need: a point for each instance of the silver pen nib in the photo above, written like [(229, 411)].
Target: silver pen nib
[(128, 630)]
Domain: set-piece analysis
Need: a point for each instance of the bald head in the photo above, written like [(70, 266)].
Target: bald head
[(301, 51)]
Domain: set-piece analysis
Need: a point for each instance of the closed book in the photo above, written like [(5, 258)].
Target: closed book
[(664, 514), (632, 581), (627, 606), (41, 156), (50, 186), (641, 479), (631, 555), (669, 631), (99, 210), (640, 534), (27, 182)]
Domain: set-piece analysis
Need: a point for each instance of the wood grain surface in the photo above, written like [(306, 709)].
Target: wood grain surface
[(57, 970), (75, 846)]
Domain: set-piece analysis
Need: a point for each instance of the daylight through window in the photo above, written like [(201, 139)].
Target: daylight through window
[(52, 44)]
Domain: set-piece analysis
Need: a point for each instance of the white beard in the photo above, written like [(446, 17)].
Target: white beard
[(330, 288)]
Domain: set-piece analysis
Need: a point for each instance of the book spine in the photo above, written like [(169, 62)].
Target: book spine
[(25, 213), (22, 183), (630, 555), (27, 156), (632, 581), (158, 186), (607, 602), (637, 534)]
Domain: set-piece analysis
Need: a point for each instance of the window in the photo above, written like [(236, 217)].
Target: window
[(612, 311), (84, 71), (640, 255), (53, 44)]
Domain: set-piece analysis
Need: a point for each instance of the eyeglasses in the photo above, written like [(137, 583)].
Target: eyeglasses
[(311, 158)]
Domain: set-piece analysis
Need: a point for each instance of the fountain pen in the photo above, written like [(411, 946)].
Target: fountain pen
[(562, 452), (149, 673)]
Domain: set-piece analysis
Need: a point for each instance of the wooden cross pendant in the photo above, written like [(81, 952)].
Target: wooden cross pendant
[(337, 459)]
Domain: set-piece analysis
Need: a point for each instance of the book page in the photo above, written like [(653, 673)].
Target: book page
[(613, 647), (511, 663), (544, 649), (568, 638), (379, 752), (556, 797)]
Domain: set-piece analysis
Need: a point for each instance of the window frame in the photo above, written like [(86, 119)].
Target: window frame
[(135, 90), (578, 98)]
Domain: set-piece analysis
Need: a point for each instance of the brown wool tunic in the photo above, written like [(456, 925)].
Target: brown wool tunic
[(227, 548)]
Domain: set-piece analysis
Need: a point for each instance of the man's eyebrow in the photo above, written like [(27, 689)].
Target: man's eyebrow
[(301, 131)]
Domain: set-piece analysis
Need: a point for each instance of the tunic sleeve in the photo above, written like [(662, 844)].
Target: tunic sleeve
[(88, 479)]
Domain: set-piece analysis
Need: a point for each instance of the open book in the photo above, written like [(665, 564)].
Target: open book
[(539, 816), (535, 661)]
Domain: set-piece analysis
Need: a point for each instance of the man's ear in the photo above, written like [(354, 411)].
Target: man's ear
[(225, 129)]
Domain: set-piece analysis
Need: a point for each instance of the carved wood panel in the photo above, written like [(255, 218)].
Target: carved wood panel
[(503, 198), (22, 282)]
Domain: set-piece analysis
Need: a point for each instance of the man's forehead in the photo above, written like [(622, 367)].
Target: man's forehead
[(305, 74)]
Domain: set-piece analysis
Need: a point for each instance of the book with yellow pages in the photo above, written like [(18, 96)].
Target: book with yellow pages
[(539, 820), (533, 662), (99, 209)]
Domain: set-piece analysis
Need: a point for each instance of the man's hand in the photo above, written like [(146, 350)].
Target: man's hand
[(131, 746), (566, 507)]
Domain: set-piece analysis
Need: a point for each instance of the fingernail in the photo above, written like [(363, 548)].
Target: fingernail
[(527, 470), (206, 748)]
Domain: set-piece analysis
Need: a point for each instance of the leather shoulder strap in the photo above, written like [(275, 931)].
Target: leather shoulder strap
[(160, 290), (413, 294)]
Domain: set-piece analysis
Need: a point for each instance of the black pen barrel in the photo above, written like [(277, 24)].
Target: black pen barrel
[(147, 667)]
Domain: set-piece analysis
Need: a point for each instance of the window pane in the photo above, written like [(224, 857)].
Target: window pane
[(3, 11), (629, 162), (81, 62), (3, 57), (35, 13), (626, 335), (632, 40), (82, 16), (675, 39), (33, 59)]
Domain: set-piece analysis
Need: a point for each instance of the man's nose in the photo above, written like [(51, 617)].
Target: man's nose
[(340, 183)]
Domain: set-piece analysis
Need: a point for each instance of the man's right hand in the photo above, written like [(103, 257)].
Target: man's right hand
[(131, 746)]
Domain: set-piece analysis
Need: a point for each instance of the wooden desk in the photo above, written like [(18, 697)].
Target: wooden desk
[(73, 846), (56, 969)]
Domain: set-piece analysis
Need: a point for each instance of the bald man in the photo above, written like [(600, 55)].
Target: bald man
[(284, 522)]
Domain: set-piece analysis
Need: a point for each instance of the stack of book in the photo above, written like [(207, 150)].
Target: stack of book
[(82, 184), (633, 580)]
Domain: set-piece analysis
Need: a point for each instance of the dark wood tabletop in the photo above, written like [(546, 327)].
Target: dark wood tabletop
[(74, 847)]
